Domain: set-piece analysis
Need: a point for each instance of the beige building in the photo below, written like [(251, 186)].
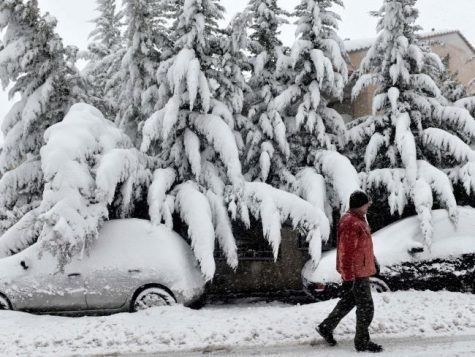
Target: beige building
[(452, 43)]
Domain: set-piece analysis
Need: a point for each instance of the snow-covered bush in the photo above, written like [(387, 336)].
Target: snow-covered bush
[(41, 71), (413, 142)]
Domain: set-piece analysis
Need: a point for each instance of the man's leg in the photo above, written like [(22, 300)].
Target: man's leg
[(342, 308), (364, 316), (364, 310)]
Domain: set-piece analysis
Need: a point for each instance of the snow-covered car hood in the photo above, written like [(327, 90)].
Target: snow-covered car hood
[(391, 244)]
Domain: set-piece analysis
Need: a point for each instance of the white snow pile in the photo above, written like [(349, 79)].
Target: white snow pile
[(166, 329)]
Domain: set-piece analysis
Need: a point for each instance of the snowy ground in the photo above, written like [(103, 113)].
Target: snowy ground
[(443, 319)]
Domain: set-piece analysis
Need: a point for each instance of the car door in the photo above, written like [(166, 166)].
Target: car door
[(49, 290), (109, 288)]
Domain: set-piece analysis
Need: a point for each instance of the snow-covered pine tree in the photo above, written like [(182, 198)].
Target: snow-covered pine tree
[(193, 137), (147, 44), (42, 73), (199, 175), (85, 160), (233, 62), (105, 53), (267, 149), (413, 142), (317, 132)]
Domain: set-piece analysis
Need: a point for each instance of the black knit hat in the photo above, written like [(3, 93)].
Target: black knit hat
[(358, 199)]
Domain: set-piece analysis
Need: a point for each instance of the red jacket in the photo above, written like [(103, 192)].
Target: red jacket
[(354, 251)]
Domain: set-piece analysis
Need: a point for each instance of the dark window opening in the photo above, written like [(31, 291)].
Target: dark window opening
[(251, 244)]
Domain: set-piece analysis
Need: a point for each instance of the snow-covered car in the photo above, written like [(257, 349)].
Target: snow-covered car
[(133, 265), (405, 262)]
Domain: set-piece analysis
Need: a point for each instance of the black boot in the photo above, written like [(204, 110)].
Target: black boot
[(326, 334), (369, 347)]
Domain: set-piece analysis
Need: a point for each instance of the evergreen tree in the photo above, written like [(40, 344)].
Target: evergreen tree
[(199, 175), (82, 162), (413, 141), (105, 54), (267, 149), (41, 69), (192, 135), (232, 65), (316, 132), (147, 45)]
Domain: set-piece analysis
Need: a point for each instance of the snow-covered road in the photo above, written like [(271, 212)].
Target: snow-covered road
[(407, 347), (406, 323)]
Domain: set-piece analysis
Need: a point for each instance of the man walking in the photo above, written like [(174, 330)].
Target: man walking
[(356, 263)]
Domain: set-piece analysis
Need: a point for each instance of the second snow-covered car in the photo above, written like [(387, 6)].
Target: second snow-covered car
[(405, 262), (132, 265)]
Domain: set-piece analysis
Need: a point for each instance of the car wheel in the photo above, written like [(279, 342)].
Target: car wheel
[(5, 303), (378, 286), (151, 297)]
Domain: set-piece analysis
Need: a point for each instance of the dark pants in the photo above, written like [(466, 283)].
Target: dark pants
[(359, 295)]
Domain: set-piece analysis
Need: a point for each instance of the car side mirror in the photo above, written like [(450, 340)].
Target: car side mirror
[(415, 250), (24, 264)]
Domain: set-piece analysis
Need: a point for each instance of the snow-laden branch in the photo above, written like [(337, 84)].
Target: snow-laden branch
[(394, 180), (440, 140), (223, 229), (465, 175), (423, 201), (466, 103), (195, 211), (425, 82), (220, 136), (275, 207), (13, 182), (375, 144), (365, 81), (339, 173), (159, 210), (458, 118), (21, 235), (119, 166), (406, 146), (440, 184), (285, 98)]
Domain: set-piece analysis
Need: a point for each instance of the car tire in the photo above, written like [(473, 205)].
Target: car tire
[(151, 296), (378, 285), (5, 303), (198, 303)]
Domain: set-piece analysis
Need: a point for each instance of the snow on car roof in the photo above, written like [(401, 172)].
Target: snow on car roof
[(391, 244)]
